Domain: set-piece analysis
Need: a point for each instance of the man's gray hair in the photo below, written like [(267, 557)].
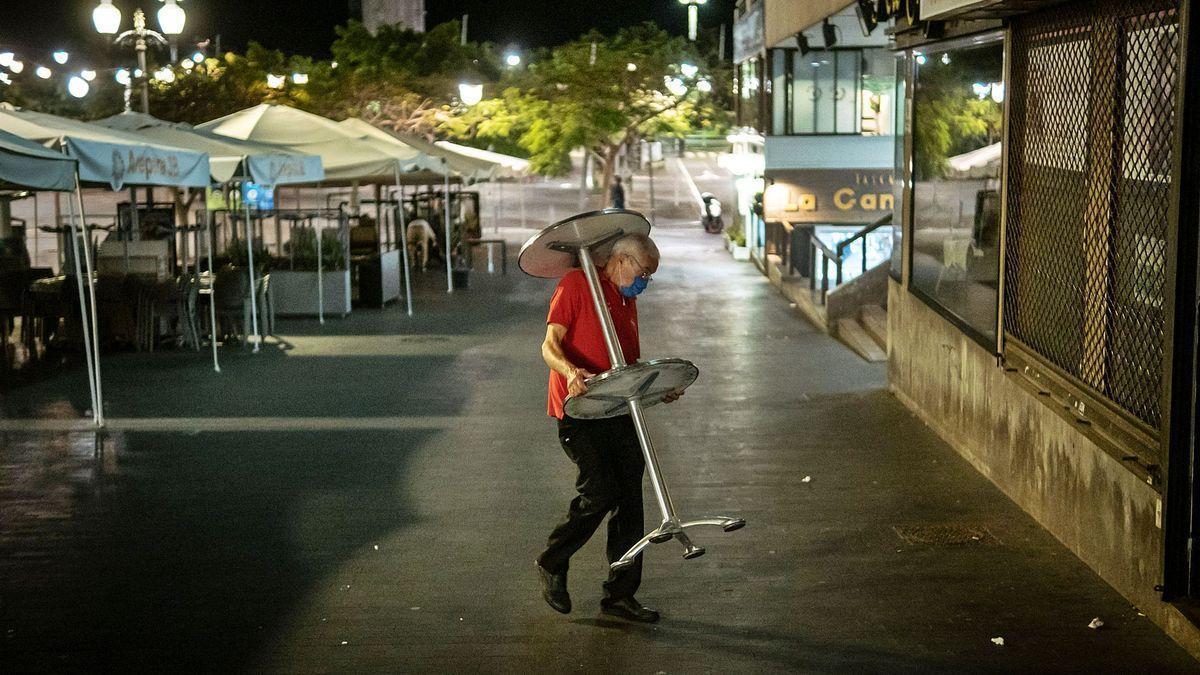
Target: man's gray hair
[(637, 245)]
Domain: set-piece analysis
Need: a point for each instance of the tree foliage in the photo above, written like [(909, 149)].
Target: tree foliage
[(583, 94), (598, 93)]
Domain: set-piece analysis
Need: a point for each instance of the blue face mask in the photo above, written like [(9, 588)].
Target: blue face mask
[(632, 290)]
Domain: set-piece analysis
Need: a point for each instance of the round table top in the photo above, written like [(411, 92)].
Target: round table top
[(542, 257), (647, 381)]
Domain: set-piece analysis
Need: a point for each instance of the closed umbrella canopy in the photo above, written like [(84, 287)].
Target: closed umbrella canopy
[(468, 169), (345, 155), (109, 156), (25, 164), (228, 158), (508, 166)]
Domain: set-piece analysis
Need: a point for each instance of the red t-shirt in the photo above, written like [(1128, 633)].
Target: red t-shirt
[(583, 345)]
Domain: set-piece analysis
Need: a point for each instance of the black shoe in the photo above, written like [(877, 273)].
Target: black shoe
[(554, 589), (629, 608)]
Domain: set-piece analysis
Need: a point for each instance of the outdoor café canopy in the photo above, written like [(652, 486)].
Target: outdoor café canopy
[(228, 158), (108, 156), (467, 169), (345, 156), (27, 165), (508, 166)]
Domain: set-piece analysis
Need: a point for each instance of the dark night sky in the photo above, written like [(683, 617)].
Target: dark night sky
[(307, 27)]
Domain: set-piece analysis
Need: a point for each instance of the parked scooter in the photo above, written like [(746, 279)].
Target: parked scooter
[(710, 213)]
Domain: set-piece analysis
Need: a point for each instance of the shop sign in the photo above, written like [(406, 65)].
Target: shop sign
[(829, 195), (748, 35)]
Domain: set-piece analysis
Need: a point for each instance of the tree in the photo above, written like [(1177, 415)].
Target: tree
[(598, 93)]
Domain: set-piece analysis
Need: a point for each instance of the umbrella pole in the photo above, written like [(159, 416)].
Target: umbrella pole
[(212, 292), (84, 314), (446, 224), (253, 286), (404, 242), (320, 279)]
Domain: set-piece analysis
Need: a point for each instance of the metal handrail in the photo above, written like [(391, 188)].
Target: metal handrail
[(861, 234), (838, 255)]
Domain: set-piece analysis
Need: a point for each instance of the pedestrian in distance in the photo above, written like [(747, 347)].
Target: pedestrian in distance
[(606, 452), (617, 193)]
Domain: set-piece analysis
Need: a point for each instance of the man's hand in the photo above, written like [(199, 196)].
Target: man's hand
[(575, 382), (672, 396)]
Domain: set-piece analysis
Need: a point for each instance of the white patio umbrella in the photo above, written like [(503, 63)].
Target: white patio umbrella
[(105, 157), (25, 165), (347, 157), (229, 158)]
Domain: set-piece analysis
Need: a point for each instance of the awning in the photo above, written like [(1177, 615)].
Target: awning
[(107, 156), (228, 158), (345, 156), (27, 165), (509, 166), (468, 169), (979, 163)]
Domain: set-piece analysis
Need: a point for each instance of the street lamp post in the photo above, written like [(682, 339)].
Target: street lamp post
[(171, 18)]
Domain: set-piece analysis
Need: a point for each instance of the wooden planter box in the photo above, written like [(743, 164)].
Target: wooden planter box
[(295, 293)]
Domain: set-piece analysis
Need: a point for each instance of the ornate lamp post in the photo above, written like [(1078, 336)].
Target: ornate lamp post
[(171, 18)]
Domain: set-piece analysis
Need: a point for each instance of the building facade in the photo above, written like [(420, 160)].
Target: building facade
[(820, 88), (1041, 274), (1042, 304)]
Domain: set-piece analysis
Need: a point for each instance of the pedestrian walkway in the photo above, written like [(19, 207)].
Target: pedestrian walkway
[(347, 544)]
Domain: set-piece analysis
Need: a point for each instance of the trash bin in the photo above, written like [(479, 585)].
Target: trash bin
[(461, 277)]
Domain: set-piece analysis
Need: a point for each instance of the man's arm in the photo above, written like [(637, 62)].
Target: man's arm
[(552, 354)]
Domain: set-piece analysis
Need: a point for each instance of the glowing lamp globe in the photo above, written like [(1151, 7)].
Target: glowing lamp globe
[(106, 18), (78, 87), (470, 94), (171, 18)]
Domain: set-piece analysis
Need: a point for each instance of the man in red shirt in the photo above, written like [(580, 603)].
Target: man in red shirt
[(606, 451)]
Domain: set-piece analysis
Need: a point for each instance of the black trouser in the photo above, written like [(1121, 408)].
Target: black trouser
[(610, 479)]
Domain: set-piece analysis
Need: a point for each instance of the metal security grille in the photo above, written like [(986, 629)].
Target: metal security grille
[(1090, 171)]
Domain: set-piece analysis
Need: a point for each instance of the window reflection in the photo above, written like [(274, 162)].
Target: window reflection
[(957, 131), (841, 91)]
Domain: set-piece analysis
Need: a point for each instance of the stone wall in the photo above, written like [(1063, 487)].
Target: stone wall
[(1099, 509)]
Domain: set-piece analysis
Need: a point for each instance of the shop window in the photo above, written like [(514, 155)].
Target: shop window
[(750, 84), (779, 89), (957, 127), (902, 170), (842, 91)]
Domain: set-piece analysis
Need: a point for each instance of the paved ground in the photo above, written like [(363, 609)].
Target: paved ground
[(393, 527)]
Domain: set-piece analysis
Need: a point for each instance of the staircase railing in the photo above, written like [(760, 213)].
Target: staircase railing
[(837, 255)]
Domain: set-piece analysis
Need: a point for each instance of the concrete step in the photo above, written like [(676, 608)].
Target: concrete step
[(855, 336), (874, 320)]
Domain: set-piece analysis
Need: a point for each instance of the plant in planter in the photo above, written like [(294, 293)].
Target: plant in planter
[(300, 254), (235, 254), (736, 234), (295, 284)]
